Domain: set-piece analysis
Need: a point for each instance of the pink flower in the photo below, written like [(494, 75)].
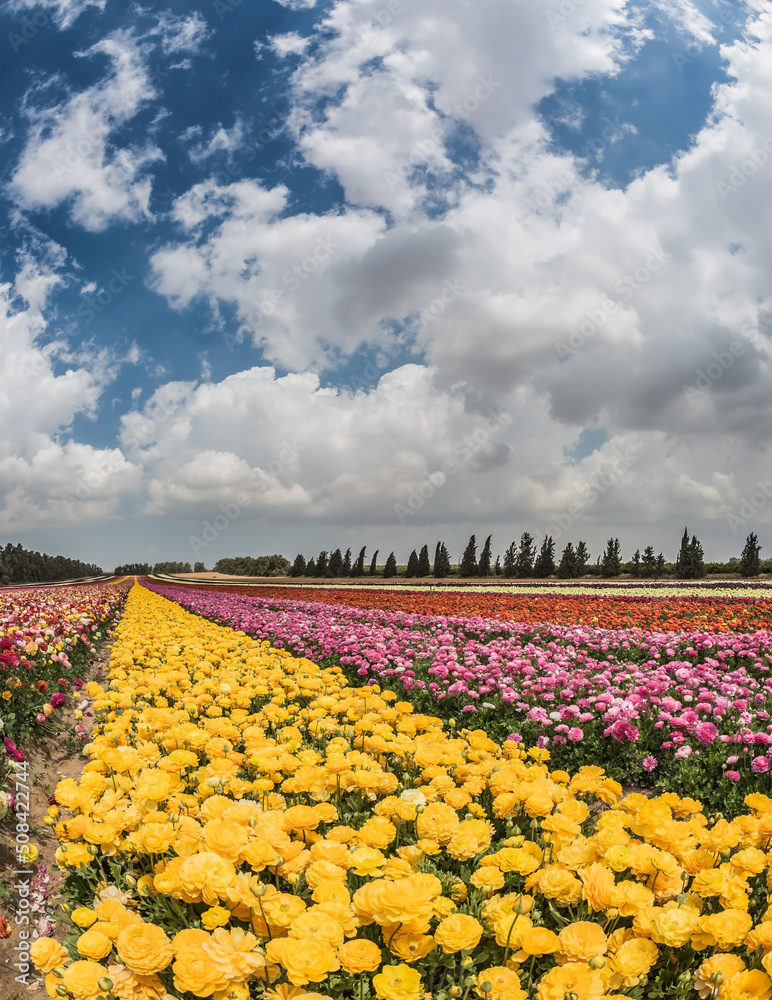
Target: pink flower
[(649, 763), (706, 733), (760, 764), (732, 775), (683, 751), (575, 734), (732, 760)]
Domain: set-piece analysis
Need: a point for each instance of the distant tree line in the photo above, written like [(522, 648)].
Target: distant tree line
[(144, 569), (247, 566), (523, 560), (20, 565)]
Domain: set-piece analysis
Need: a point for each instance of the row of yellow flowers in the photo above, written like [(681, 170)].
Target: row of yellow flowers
[(249, 825)]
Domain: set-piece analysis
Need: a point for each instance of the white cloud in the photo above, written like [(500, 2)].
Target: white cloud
[(661, 277), (298, 4), (289, 44), (69, 156), (280, 272), (65, 11), (43, 479), (182, 33)]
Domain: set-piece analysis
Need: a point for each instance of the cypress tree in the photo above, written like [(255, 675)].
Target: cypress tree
[(635, 563), (468, 565), (581, 558), (545, 561), (484, 566), (660, 566), (311, 567), (750, 562), (497, 567), (525, 556), (567, 567), (649, 562), (299, 566), (322, 564), (424, 566), (510, 560), (390, 569), (359, 566), (412, 564), (611, 564), (346, 570), (373, 564), (441, 561), (336, 563)]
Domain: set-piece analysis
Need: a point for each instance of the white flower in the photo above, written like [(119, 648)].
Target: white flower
[(488, 704), (556, 716), (224, 688), (414, 796), (111, 892)]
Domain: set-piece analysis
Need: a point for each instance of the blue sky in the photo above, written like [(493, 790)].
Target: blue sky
[(274, 264)]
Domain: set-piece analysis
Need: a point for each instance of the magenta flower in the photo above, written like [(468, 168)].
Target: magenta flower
[(760, 765), (57, 699), (706, 733), (732, 775), (576, 734), (649, 763)]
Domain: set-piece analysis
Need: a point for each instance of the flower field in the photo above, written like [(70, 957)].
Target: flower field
[(46, 638), (689, 711), (250, 824), (722, 609)]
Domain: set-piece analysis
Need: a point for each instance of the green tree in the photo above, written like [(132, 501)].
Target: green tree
[(611, 563), (468, 566), (497, 567), (649, 562), (441, 561), (545, 561), (750, 561), (424, 566), (412, 564), (690, 562), (390, 569), (526, 556), (635, 563), (582, 557), (311, 567), (323, 564), (336, 563), (567, 567), (346, 569), (299, 566), (484, 565), (510, 560), (358, 568), (199, 568), (660, 565), (374, 564)]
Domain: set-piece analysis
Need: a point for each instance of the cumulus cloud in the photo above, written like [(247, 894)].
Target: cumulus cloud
[(69, 156), (45, 478)]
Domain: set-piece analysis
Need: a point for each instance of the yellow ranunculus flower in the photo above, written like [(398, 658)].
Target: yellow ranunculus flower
[(572, 978), (304, 961), (581, 941), (397, 982), (144, 948), (359, 955), (82, 979), (94, 945), (47, 954), (458, 932)]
